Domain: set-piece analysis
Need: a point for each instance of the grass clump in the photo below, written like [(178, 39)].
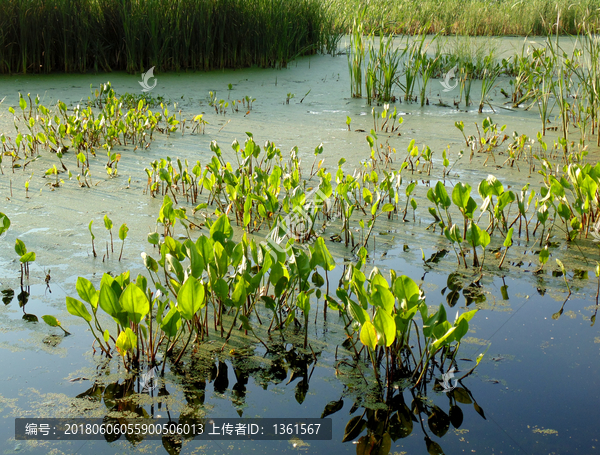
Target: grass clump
[(472, 17), (80, 35)]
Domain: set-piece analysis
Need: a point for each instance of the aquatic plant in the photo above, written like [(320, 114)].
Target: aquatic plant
[(53, 322), (356, 56), (117, 35), (108, 224), (93, 237), (123, 230), (25, 257), (4, 223)]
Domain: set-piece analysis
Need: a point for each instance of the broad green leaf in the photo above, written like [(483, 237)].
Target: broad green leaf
[(86, 291), (51, 320), (190, 298), (303, 303), (20, 247), (135, 303), (384, 325), (107, 223), (171, 322), (461, 194), (221, 229), (4, 222), (126, 342), (358, 313), (123, 230), (28, 257), (109, 302), (368, 336), (407, 292), (238, 296), (76, 308)]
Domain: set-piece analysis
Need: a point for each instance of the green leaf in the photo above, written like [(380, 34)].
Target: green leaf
[(221, 229), (476, 236), (239, 292), (171, 322), (153, 238), (28, 257), (303, 303), (86, 291), (442, 195), (461, 194), (4, 221), (135, 303), (108, 301), (321, 256), (407, 292), (190, 298), (358, 313), (123, 230), (20, 247), (384, 325), (383, 298), (368, 335), (508, 239), (150, 263), (388, 207), (76, 308), (90, 229), (544, 255), (51, 320), (107, 223), (127, 341)]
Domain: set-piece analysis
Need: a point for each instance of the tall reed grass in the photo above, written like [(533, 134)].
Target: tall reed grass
[(134, 35), (472, 17)]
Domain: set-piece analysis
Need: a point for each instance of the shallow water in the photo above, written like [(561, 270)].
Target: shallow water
[(536, 384)]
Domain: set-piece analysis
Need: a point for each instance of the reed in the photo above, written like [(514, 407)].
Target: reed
[(38, 36), (473, 17)]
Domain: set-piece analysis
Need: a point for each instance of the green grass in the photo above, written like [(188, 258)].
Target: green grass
[(80, 35), (471, 17)]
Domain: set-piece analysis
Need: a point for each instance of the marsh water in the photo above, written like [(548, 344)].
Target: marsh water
[(535, 391)]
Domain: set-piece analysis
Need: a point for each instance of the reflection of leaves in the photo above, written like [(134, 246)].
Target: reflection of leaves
[(354, 427), (384, 445), (479, 410), (461, 395), (433, 448), (365, 445), (473, 293), (452, 298), (94, 393), (332, 407), (301, 390), (111, 437), (435, 257), (111, 393), (7, 296), (30, 317), (23, 298), (504, 291), (438, 422), (454, 282), (401, 424), (221, 381), (456, 416), (172, 444)]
